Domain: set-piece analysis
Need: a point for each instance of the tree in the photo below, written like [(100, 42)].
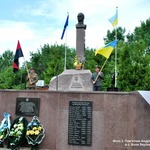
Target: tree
[(111, 36), (134, 71), (143, 32), (8, 79), (6, 60), (133, 62)]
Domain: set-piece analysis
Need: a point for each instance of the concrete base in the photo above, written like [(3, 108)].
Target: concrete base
[(121, 120), (72, 80)]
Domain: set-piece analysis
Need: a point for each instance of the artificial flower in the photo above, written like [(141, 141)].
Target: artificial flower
[(4, 128), (17, 133), (35, 132)]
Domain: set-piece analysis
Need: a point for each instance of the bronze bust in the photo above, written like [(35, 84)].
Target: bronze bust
[(80, 18)]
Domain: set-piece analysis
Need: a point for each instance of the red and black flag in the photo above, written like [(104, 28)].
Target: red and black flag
[(18, 54)]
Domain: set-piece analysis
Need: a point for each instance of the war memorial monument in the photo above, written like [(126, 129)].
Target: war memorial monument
[(77, 79), (70, 116)]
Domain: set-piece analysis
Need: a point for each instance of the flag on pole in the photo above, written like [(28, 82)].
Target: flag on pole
[(107, 49), (114, 20), (18, 54), (65, 26)]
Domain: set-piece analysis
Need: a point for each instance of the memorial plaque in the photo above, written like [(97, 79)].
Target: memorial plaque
[(76, 83), (80, 123), (27, 106)]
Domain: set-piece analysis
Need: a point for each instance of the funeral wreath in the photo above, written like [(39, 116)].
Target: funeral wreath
[(35, 132)]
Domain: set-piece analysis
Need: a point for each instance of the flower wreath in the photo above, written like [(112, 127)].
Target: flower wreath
[(4, 128), (17, 133), (35, 132)]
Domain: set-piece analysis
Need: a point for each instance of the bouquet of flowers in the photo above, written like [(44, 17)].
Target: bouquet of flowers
[(17, 133), (35, 132), (4, 128)]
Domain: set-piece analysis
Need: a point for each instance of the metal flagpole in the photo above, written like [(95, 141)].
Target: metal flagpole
[(116, 54), (65, 50), (66, 45)]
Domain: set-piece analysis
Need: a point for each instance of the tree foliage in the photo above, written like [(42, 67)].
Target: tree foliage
[(9, 80), (116, 33), (133, 66)]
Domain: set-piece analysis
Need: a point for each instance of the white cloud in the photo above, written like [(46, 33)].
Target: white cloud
[(10, 30), (42, 22)]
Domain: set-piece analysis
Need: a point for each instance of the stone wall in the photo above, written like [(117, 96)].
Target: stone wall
[(120, 120)]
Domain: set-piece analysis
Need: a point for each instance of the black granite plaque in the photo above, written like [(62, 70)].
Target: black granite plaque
[(80, 123), (27, 106)]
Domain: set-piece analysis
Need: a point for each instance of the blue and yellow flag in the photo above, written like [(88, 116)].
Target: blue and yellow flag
[(107, 49), (66, 24), (114, 20)]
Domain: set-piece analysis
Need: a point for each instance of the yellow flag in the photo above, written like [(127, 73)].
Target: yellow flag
[(107, 50)]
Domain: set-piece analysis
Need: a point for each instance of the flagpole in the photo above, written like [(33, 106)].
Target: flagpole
[(114, 21), (65, 51), (116, 52), (26, 65), (27, 69), (66, 24), (103, 65)]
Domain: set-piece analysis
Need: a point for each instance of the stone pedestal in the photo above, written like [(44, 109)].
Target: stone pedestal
[(80, 42), (72, 80), (80, 38)]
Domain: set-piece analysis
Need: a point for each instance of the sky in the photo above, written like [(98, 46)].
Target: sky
[(38, 22)]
